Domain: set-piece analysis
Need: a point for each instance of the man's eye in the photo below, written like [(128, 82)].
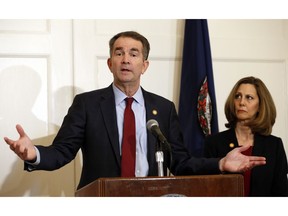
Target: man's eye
[(134, 54)]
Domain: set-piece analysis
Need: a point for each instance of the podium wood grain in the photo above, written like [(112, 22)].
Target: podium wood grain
[(191, 186)]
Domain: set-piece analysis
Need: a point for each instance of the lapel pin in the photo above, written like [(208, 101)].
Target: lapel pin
[(231, 145), (154, 112)]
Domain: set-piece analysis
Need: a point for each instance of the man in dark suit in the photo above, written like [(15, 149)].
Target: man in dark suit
[(94, 124)]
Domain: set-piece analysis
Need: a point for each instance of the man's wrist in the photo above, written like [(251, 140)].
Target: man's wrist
[(221, 165), (36, 161)]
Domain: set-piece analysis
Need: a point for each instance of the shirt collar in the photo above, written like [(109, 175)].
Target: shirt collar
[(120, 96)]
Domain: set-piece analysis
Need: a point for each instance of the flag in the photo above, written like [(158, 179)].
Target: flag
[(197, 104)]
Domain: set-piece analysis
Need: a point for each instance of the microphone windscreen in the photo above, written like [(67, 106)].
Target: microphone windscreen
[(151, 123)]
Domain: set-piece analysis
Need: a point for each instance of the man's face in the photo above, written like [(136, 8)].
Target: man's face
[(127, 62)]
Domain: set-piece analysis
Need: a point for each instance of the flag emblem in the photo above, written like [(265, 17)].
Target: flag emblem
[(197, 102), (204, 108)]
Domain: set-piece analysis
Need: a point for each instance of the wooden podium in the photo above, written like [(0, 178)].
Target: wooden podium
[(230, 185)]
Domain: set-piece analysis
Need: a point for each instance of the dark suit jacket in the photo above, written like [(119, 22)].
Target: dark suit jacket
[(267, 180), (90, 125)]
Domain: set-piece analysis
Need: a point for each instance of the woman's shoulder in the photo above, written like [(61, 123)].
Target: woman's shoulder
[(270, 138)]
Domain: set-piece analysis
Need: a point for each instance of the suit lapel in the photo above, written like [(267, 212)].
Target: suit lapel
[(258, 142), (151, 144), (110, 121)]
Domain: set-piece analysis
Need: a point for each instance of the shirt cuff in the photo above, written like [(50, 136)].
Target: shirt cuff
[(36, 162)]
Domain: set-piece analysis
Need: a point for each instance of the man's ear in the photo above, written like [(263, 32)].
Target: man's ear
[(145, 66)]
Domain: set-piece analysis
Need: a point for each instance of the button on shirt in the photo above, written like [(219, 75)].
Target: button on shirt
[(138, 108)]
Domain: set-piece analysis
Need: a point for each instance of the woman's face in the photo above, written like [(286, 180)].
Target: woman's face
[(246, 102)]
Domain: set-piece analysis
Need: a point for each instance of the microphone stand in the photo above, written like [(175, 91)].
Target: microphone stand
[(159, 159)]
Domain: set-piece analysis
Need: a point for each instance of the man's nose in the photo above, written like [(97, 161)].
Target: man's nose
[(126, 59)]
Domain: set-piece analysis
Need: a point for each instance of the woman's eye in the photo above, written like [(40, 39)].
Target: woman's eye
[(237, 96), (249, 97)]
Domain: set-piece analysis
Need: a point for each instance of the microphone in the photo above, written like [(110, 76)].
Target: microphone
[(153, 127)]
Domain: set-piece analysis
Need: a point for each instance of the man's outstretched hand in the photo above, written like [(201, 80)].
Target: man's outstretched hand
[(23, 147), (235, 161)]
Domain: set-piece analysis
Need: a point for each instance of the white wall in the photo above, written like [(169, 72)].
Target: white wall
[(251, 47), (66, 57)]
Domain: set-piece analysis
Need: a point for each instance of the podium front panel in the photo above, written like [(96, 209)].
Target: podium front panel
[(198, 186)]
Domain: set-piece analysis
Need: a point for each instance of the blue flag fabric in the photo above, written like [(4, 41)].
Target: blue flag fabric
[(197, 103)]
